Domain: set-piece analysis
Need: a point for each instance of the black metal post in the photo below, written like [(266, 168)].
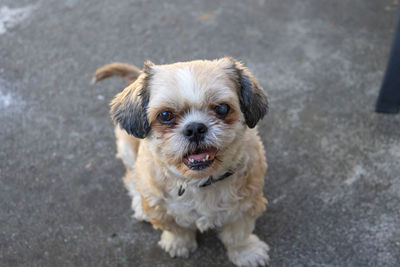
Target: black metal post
[(389, 95)]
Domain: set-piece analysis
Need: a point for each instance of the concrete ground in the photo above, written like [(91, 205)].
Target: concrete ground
[(334, 165)]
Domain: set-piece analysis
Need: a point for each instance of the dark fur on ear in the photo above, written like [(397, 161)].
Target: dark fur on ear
[(253, 100), (129, 108)]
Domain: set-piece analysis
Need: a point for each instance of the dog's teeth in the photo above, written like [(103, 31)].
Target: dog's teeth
[(207, 157), (191, 160)]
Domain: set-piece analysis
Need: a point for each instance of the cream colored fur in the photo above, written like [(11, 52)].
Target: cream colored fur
[(155, 172)]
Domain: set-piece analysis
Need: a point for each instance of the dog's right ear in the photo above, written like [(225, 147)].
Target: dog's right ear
[(129, 108)]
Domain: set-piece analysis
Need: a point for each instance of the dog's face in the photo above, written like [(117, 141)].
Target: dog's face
[(193, 114)]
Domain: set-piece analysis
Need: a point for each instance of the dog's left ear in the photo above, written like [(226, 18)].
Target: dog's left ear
[(129, 108), (252, 98)]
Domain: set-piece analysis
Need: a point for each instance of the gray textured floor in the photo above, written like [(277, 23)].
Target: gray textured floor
[(334, 166)]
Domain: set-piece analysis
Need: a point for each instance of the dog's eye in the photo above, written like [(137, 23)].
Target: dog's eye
[(166, 117), (222, 110)]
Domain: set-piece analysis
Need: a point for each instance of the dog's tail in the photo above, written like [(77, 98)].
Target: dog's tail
[(129, 72)]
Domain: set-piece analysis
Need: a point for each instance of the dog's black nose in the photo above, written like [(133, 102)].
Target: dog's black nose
[(195, 131)]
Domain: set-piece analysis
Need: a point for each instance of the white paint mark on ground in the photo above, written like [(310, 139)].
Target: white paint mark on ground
[(11, 17), (5, 100), (5, 97), (357, 173), (8, 99), (278, 199)]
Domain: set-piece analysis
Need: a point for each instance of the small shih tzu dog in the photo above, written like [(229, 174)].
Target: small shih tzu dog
[(194, 161)]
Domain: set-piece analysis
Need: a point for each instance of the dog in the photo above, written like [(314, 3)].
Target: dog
[(186, 133)]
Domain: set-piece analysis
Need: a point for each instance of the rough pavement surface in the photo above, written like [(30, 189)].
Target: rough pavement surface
[(334, 165)]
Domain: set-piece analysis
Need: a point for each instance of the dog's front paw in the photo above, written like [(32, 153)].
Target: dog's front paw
[(253, 252), (178, 245)]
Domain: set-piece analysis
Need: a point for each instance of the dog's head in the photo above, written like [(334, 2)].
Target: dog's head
[(192, 114)]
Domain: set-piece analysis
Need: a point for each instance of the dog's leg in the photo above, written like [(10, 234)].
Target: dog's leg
[(136, 198), (127, 147), (244, 248), (179, 244), (175, 240)]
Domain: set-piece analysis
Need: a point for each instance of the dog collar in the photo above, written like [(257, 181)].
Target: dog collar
[(208, 182)]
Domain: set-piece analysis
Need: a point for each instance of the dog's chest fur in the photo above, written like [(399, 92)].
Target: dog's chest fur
[(207, 207)]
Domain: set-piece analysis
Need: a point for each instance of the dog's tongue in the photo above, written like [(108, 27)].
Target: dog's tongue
[(199, 157)]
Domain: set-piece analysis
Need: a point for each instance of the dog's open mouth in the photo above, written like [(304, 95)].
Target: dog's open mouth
[(200, 158)]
